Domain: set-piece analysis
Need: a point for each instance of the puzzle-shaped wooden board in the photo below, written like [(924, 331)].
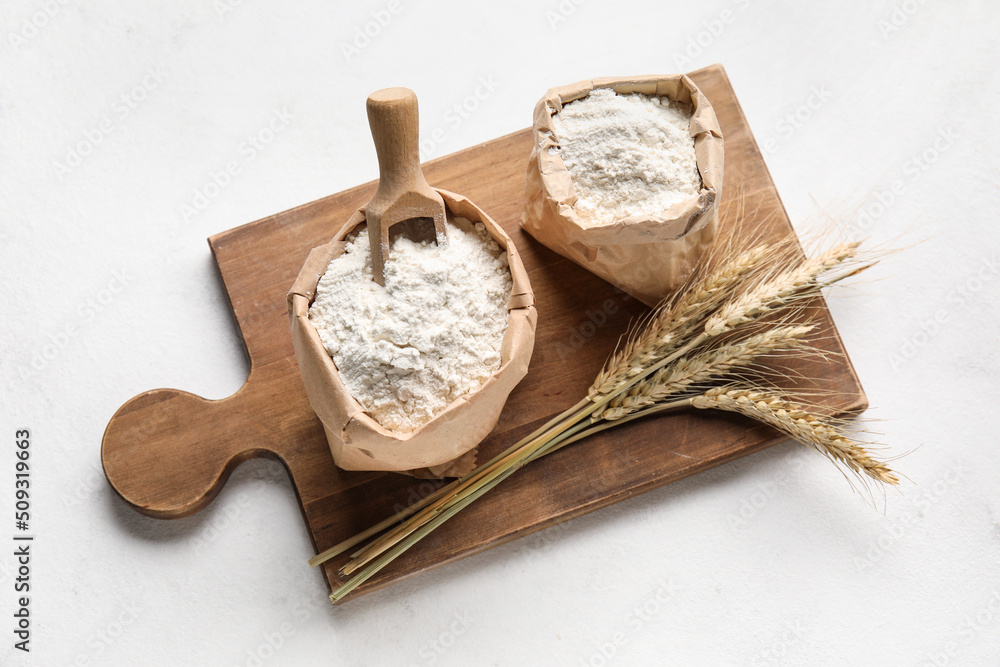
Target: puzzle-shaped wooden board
[(168, 453)]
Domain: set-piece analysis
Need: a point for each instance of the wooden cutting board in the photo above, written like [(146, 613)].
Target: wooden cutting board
[(167, 453)]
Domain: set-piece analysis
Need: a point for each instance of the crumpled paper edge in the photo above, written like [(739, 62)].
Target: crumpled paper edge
[(647, 256), (443, 446)]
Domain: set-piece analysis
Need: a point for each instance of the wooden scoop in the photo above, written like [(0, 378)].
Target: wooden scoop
[(403, 193)]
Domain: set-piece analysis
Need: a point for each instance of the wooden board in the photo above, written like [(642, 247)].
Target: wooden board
[(167, 453)]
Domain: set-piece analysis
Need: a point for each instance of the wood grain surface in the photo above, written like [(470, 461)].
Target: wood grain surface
[(167, 453)]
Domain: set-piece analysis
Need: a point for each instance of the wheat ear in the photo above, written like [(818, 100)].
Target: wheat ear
[(719, 301), (788, 284), (796, 421), (674, 321), (704, 366)]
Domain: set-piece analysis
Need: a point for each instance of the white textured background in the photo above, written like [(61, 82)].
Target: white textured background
[(107, 288)]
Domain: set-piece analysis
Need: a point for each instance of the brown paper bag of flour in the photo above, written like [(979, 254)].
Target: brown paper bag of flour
[(648, 257), (444, 446)]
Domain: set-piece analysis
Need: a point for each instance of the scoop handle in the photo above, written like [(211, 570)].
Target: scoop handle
[(403, 192), (392, 116)]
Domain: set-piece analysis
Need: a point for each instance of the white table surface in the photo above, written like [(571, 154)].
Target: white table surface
[(107, 289)]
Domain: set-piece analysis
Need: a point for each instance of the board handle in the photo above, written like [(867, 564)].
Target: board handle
[(168, 453)]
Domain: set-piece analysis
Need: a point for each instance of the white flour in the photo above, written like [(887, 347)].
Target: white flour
[(627, 154), (433, 333)]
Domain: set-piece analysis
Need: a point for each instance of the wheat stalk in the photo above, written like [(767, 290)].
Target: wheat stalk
[(799, 423), (712, 329)]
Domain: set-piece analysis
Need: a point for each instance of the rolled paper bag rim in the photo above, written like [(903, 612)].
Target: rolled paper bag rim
[(681, 218), (358, 441)]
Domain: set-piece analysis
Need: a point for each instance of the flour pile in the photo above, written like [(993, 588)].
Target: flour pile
[(432, 334), (627, 154)]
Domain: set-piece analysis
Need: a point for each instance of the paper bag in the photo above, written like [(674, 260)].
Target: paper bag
[(647, 256), (444, 446)]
